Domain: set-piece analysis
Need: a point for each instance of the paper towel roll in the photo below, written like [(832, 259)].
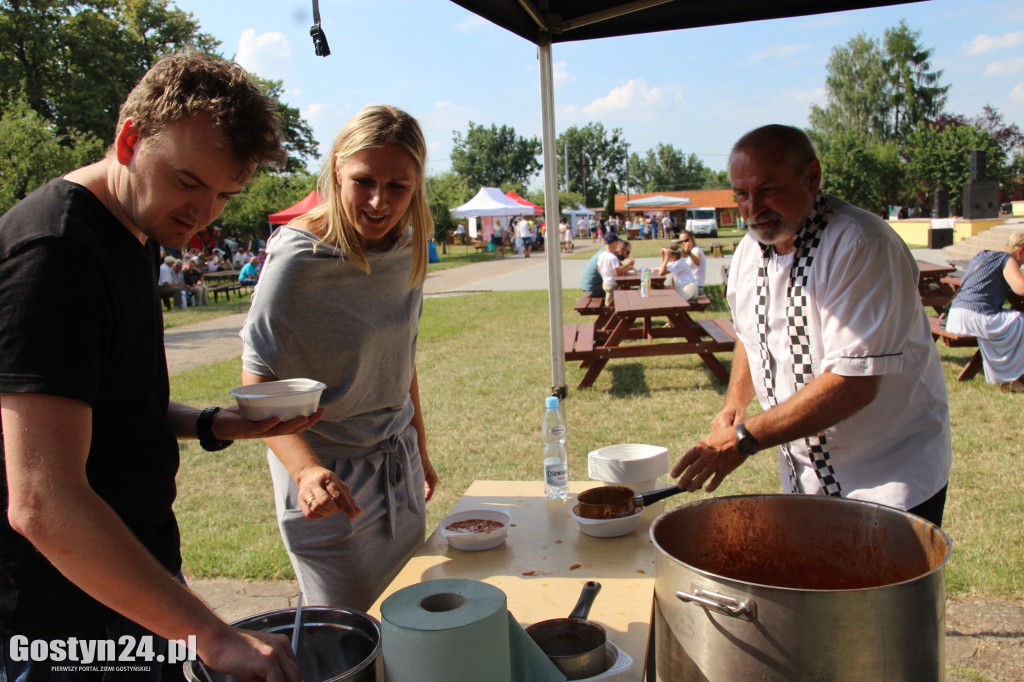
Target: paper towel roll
[(443, 630)]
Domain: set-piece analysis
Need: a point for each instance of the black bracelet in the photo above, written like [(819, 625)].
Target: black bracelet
[(204, 430)]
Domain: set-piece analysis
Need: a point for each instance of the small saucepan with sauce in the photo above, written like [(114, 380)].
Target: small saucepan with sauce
[(617, 501)]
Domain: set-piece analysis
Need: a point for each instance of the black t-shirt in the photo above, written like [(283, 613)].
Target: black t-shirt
[(80, 318)]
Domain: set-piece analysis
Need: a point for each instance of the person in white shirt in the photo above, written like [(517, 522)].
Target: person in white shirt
[(525, 233), (831, 338), (609, 266), (677, 274), (171, 282), (693, 258)]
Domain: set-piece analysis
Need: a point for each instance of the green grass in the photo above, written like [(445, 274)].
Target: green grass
[(482, 390), (193, 314)]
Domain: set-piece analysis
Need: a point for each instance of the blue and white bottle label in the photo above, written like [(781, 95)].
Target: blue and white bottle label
[(556, 475)]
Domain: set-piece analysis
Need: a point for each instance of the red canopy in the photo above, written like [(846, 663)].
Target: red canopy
[(310, 201), (537, 210)]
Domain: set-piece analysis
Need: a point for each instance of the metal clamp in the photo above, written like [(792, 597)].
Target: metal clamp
[(745, 609)]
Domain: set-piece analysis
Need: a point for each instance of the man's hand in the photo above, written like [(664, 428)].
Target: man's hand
[(253, 656), (228, 424), (322, 493), (715, 456), (729, 416)]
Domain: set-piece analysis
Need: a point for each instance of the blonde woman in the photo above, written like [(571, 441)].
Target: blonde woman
[(339, 301)]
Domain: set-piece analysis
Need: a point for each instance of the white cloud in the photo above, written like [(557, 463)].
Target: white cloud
[(634, 95), (985, 43), (443, 104), (267, 55), (560, 75), (777, 52), (1017, 94), (1004, 67)]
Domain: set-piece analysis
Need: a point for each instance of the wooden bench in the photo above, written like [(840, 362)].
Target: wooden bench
[(717, 249), (590, 305), (957, 341), (226, 289), (480, 246), (720, 329), (579, 341)]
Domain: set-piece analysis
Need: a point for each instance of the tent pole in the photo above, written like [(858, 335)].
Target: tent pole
[(552, 213)]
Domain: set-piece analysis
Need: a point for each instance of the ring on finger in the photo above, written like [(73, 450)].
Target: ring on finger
[(310, 501)]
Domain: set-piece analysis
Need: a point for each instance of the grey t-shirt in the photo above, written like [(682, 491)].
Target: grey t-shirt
[(315, 315)]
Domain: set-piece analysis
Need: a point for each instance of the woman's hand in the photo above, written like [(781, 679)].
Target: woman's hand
[(429, 479), (322, 493)]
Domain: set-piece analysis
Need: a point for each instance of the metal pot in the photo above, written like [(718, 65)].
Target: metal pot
[(798, 587), (574, 644), (336, 644), (618, 501)]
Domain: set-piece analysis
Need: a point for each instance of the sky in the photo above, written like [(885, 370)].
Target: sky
[(697, 89)]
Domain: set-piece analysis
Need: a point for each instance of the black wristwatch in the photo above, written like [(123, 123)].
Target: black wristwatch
[(746, 443), (204, 429)]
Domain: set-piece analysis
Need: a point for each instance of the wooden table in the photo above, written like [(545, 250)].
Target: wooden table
[(545, 561), (219, 275), (934, 292), (631, 280), (704, 337)]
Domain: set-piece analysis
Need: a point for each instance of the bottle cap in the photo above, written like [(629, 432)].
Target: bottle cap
[(551, 402)]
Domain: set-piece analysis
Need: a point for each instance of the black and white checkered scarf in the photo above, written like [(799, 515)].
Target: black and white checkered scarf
[(808, 239)]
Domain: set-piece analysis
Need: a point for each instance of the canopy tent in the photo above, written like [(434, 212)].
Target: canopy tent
[(574, 217), (533, 209), (283, 217), (489, 202), (658, 201), (553, 21)]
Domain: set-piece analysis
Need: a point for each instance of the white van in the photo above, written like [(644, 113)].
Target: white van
[(702, 221)]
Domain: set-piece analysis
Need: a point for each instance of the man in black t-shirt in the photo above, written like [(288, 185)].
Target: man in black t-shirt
[(89, 546)]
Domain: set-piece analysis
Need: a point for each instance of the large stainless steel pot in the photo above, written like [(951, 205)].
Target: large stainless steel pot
[(798, 587), (336, 644)]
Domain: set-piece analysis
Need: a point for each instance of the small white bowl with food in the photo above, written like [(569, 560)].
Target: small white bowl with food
[(287, 399), (475, 530)]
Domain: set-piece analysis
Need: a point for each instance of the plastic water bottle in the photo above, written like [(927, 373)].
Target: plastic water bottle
[(556, 459), (645, 283)]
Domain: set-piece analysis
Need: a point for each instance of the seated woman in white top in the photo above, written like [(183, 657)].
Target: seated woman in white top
[(676, 272)]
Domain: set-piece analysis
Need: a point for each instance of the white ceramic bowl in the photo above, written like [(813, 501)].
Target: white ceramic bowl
[(634, 465), (606, 528), (287, 399), (475, 542)]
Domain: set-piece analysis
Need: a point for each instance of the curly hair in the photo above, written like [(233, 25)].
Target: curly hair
[(193, 83), (1016, 241)]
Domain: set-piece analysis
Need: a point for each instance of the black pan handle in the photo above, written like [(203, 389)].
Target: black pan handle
[(656, 496), (582, 608)]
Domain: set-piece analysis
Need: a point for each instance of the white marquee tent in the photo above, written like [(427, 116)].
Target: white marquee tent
[(489, 203)]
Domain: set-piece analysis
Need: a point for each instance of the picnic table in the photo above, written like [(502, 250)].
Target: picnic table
[(594, 344), (934, 292), (546, 560), (631, 280)]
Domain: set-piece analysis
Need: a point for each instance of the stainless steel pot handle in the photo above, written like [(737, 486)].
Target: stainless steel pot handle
[(729, 606)]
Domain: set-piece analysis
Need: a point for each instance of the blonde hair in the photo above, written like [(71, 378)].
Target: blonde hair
[(1016, 241), (375, 126)]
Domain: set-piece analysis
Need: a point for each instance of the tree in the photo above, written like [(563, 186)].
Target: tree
[(595, 157), (940, 157), (246, 214), (666, 168), (298, 134), (74, 61), (914, 91), (35, 153), (861, 170), (488, 157), (445, 191), (881, 90), (609, 204)]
